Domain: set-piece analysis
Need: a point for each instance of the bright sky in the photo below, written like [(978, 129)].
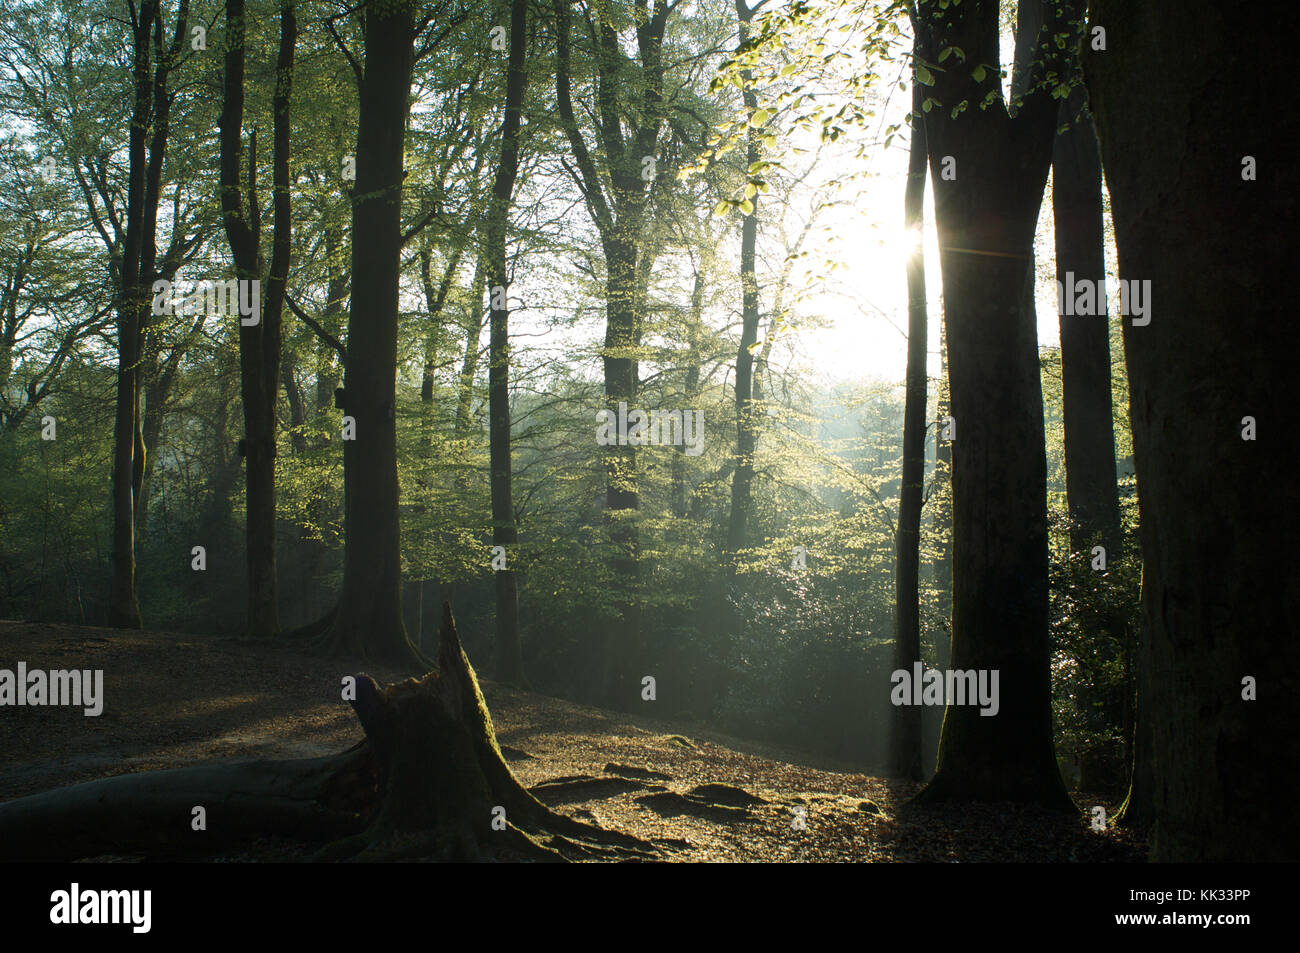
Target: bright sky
[(850, 327), (865, 303)]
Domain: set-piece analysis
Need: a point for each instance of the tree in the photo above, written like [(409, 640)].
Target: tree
[(509, 661), (742, 478), (1091, 490), (989, 168), (259, 343), (1205, 211), (628, 95), (906, 737), (124, 610), (368, 622)]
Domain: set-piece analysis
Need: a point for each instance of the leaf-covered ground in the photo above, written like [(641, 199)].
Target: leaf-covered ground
[(177, 700)]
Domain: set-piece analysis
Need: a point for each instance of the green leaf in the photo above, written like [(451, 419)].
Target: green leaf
[(978, 73), (924, 76), (750, 190), (722, 207), (747, 207)]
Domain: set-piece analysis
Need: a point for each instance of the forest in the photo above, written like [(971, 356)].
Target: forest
[(647, 430)]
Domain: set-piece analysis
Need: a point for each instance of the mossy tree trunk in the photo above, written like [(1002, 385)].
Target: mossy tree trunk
[(444, 788)]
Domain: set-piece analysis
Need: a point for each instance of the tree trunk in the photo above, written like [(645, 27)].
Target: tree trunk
[(1205, 210), (691, 389), (742, 477), (619, 213), (989, 170), (622, 500), (149, 424), (124, 610), (312, 799), (509, 661), (297, 406), (1091, 488), (369, 619), (1138, 809), (259, 344), (469, 361), (444, 788), (906, 738)]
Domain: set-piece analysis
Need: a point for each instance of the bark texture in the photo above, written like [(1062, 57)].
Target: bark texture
[(1182, 95)]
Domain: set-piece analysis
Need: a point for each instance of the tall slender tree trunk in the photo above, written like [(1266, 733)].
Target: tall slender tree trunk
[(469, 360), (691, 389), (369, 619), (989, 170), (1201, 171), (509, 660), (149, 423), (1092, 492), (259, 343), (742, 478), (1092, 489), (906, 738), (622, 500), (124, 610)]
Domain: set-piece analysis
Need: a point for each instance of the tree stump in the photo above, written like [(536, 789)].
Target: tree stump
[(444, 788)]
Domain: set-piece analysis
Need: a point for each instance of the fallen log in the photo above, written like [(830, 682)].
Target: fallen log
[(153, 812)]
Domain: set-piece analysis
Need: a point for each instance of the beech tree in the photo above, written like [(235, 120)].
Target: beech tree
[(630, 117), (1205, 210), (742, 478), (989, 162), (124, 609), (504, 533), (259, 343), (368, 622), (906, 729)]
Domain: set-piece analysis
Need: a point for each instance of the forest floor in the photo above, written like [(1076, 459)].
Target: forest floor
[(175, 700)]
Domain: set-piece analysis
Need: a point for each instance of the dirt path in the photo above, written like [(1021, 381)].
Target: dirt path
[(177, 700)]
